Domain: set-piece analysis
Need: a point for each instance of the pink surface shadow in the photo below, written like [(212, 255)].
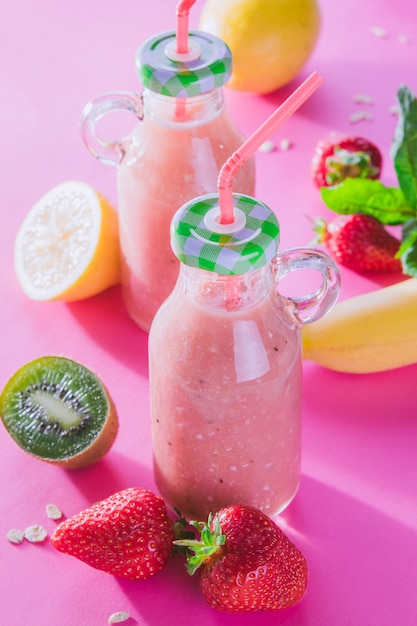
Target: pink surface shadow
[(104, 318), (355, 553), (112, 473)]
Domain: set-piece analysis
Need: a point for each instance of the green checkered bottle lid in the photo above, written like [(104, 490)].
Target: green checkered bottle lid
[(206, 65), (199, 240)]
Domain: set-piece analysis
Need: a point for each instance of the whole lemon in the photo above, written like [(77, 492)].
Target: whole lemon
[(270, 40)]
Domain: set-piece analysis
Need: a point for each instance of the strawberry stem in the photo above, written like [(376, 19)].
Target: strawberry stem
[(321, 232), (180, 526), (343, 164), (211, 540)]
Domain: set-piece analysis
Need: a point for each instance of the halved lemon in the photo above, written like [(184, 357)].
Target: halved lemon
[(67, 247)]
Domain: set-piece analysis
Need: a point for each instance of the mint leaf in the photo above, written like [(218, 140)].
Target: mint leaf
[(408, 249), (409, 237), (370, 197), (404, 146)]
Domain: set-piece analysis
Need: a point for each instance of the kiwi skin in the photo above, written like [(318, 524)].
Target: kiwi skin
[(98, 446)]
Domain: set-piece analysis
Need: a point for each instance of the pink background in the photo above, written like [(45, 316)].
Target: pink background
[(355, 516)]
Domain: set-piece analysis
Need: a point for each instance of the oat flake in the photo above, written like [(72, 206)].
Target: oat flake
[(359, 116), (53, 512), (378, 32), (120, 616), (35, 533), (267, 146), (285, 144), (361, 98), (15, 535)]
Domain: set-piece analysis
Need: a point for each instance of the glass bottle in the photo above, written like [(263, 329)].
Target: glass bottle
[(184, 136), (226, 365)]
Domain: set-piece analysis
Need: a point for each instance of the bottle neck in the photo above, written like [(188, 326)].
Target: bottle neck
[(191, 111), (226, 293)]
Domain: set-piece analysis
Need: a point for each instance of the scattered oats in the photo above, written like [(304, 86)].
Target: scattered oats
[(403, 39), (15, 535), (378, 32), (362, 98), (394, 109), (267, 146), (285, 144), (53, 512), (359, 116), (120, 616), (356, 117), (35, 533)]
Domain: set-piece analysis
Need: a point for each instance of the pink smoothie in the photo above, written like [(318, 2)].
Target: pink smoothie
[(226, 399), (173, 157)]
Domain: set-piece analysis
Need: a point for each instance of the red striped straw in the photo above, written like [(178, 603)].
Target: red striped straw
[(242, 154), (182, 11)]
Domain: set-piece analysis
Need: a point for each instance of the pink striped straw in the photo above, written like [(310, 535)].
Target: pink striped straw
[(242, 154), (182, 11)]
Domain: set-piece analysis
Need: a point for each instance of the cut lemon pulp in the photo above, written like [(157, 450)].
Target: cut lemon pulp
[(67, 247)]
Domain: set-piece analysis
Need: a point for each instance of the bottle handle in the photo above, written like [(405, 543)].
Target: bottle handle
[(108, 151), (314, 305)]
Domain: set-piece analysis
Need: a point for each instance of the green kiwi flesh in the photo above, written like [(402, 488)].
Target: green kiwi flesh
[(56, 409)]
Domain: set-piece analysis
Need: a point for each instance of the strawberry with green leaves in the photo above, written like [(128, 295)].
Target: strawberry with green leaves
[(128, 534), (246, 562), (360, 242), (394, 206), (339, 156)]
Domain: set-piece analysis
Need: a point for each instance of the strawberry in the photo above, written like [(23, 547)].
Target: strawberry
[(129, 534), (247, 563), (360, 242), (340, 156)]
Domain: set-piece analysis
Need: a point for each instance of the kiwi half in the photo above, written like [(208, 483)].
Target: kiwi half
[(59, 411)]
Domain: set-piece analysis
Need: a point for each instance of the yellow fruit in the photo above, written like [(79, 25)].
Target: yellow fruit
[(270, 40), (67, 247), (372, 332)]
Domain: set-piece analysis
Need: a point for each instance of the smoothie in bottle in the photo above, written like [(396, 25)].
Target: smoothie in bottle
[(225, 360), (183, 136), (226, 365), (168, 162)]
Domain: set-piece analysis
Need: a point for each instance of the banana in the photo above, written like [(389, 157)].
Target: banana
[(373, 332)]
